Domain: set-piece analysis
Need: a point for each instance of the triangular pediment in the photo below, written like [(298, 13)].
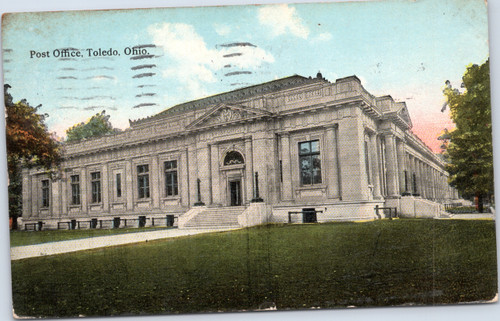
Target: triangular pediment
[(223, 114), (405, 115)]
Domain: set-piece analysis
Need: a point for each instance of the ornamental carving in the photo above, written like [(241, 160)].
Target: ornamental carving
[(227, 115)]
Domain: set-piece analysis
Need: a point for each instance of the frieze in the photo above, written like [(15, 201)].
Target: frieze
[(304, 95), (220, 132)]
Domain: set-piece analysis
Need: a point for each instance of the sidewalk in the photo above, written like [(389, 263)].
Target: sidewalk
[(44, 249), (473, 216)]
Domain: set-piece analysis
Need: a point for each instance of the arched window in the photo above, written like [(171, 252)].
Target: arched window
[(233, 158)]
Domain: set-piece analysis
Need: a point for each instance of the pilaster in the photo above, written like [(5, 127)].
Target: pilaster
[(215, 168), (184, 178), (193, 174), (84, 197), (105, 187), (55, 192), (27, 193), (249, 167), (203, 169), (285, 167), (64, 193), (400, 149), (156, 171), (129, 184), (35, 196), (261, 154)]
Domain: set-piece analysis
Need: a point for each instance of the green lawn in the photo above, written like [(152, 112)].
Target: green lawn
[(295, 266), (19, 238)]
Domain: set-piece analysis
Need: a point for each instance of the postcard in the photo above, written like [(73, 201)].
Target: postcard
[(240, 158)]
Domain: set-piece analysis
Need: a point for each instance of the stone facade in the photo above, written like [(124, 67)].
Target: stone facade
[(332, 147)]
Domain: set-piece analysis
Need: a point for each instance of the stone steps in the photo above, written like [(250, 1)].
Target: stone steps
[(222, 217)]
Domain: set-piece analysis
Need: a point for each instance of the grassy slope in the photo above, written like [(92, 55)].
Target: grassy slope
[(19, 238), (301, 266)]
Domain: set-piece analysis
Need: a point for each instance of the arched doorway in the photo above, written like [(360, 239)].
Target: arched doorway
[(234, 164)]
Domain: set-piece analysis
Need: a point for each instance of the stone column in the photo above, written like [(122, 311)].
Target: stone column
[(286, 167), (156, 171), (409, 172), (375, 167), (429, 182), (420, 178), (203, 166), (443, 180), (84, 196), (65, 180), (35, 195), (55, 193), (249, 168), (425, 183), (184, 178), (193, 174), (434, 191), (129, 184), (392, 165), (215, 168), (435, 183), (27, 193), (380, 142), (401, 165), (261, 154), (426, 177), (105, 187)]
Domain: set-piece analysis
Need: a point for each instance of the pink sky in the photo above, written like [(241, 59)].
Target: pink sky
[(429, 124)]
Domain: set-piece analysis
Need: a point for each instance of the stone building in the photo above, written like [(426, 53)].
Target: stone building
[(329, 148)]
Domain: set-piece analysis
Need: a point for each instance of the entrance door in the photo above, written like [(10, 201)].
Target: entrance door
[(235, 192)]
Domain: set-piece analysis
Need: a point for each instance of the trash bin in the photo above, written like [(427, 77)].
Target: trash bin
[(170, 220), (142, 221), (309, 215)]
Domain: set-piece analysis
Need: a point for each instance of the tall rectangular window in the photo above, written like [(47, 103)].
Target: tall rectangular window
[(75, 189), (171, 184), (95, 180), (143, 181), (118, 185), (45, 193), (310, 163)]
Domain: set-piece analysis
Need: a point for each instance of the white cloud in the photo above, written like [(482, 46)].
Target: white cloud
[(192, 60), (222, 30), (250, 57), (281, 19), (323, 37), (192, 64)]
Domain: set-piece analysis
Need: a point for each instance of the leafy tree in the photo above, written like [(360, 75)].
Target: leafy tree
[(97, 125), (28, 144), (470, 150)]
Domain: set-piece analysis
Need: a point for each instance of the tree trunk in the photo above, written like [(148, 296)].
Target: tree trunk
[(479, 205)]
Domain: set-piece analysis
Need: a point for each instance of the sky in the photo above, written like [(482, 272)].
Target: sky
[(406, 49)]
